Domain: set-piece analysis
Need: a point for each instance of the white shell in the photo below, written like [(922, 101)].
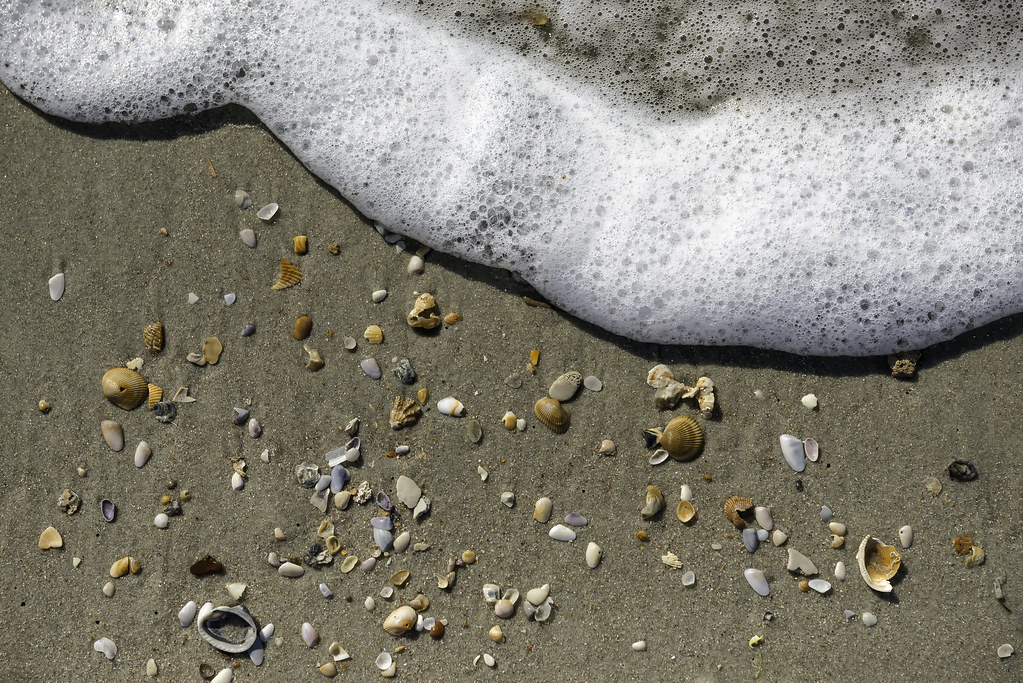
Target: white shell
[(811, 450), (378, 296), (491, 593), (537, 595), (112, 434), (593, 554), (56, 286), (242, 199), (639, 645), (688, 579), (106, 646), (451, 406), (560, 532), (142, 453), (778, 537), (792, 449), (383, 660), (838, 528), (268, 212), (764, 517), (161, 521), (237, 482), (236, 590), (408, 491), (757, 581), (686, 493), (401, 542), (204, 611), (809, 401), (658, 456), (225, 676), (291, 570), (840, 571), (820, 585), (309, 634), (906, 536), (1005, 650), (542, 510), (869, 619)]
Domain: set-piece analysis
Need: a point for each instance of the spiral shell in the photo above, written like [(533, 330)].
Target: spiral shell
[(290, 275), (125, 388), (682, 437), (734, 506), (152, 336), (552, 414)]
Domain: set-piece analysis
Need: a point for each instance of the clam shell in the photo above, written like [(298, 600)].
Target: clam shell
[(792, 450), (303, 326), (152, 336), (211, 350), (290, 275), (125, 388), (373, 334), (878, 563), (682, 437), (734, 506), (108, 509), (542, 510), (400, 620), (219, 627), (565, 386), (593, 554), (685, 511), (399, 577), (552, 414)]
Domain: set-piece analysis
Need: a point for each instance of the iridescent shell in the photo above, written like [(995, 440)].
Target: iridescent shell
[(290, 275), (682, 438), (125, 388), (878, 563), (152, 336), (552, 414), (734, 507)]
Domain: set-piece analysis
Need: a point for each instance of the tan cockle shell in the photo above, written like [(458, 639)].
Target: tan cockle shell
[(290, 275), (734, 506), (155, 395), (552, 414), (878, 563), (400, 620), (152, 336), (373, 334), (682, 437), (125, 388)]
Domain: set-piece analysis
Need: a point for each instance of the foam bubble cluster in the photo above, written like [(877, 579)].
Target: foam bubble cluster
[(821, 178)]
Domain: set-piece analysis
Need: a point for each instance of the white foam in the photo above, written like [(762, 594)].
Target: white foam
[(836, 179)]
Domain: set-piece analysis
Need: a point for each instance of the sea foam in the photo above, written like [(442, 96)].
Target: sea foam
[(826, 178)]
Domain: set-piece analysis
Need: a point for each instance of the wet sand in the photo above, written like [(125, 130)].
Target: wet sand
[(91, 201)]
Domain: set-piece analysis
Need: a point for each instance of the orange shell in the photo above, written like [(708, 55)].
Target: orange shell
[(734, 506), (290, 275)]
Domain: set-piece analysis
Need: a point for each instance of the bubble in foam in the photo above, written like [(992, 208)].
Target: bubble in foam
[(819, 178)]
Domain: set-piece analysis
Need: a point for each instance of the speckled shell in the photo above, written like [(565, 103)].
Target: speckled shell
[(155, 395), (878, 563), (400, 620), (125, 388), (152, 335), (552, 414), (682, 438), (290, 275), (735, 505)]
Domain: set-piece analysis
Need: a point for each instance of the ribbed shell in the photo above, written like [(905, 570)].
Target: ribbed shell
[(552, 414), (152, 335), (290, 275), (125, 388), (155, 395), (735, 505), (682, 438)]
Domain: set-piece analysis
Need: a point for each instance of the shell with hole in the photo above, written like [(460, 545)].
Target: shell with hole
[(552, 414), (125, 388), (734, 507), (682, 437), (878, 563), (400, 620)]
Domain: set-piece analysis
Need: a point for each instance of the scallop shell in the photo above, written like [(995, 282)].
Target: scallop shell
[(552, 414), (685, 511), (290, 275), (373, 334), (125, 388), (682, 437), (734, 506), (424, 313), (155, 395), (878, 563), (152, 335), (400, 620), (405, 412)]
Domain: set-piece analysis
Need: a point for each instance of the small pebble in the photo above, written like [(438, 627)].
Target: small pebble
[(106, 646), (379, 295), (906, 536), (248, 330), (826, 514), (230, 298), (248, 238), (639, 646), (869, 618), (840, 571), (161, 521), (1005, 650), (56, 285), (809, 401), (416, 265), (108, 589), (192, 297), (688, 579)]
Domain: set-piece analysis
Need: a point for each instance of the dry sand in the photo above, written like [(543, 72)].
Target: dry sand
[(90, 201)]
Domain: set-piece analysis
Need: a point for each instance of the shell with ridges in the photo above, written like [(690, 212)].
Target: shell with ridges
[(878, 563), (682, 437), (290, 275), (552, 414), (734, 506), (155, 395), (125, 388), (152, 336), (373, 334)]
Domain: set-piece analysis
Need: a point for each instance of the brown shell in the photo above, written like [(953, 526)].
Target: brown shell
[(552, 414), (734, 506), (290, 275), (211, 350), (303, 326), (152, 335), (682, 438), (962, 544), (155, 395), (125, 388), (405, 412)]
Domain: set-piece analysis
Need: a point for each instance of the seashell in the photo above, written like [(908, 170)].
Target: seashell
[(658, 456), (399, 577), (300, 244), (809, 401), (400, 620), (565, 386), (878, 563), (840, 571), (56, 286), (422, 507), (671, 560), (50, 538), (496, 634), (764, 517), (811, 450), (798, 562), (405, 373), (437, 630), (242, 199), (976, 557), (452, 318), (474, 431), (164, 411), (705, 397), (542, 510), (451, 406), (826, 514), (668, 396), (932, 485), (248, 237), (504, 609), (1005, 650), (152, 337), (373, 334), (155, 395), (424, 313), (682, 437), (384, 501), (315, 361), (838, 528), (69, 501), (509, 421), (819, 585), (383, 538), (142, 453), (750, 540), (106, 646), (124, 388), (401, 541), (607, 447), (593, 383), (552, 414), (837, 541), (575, 519), (290, 275), (404, 412), (328, 670), (792, 450), (211, 350), (906, 536), (962, 470), (869, 619), (685, 511), (309, 634), (228, 629), (248, 330), (303, 326), (422, 396), (337, 652), (370, 367), (535, 596), (161, 520), (757, 581), (560, 532), (962, 544), (187, 613), (196, 359), (654, 502), (255, 429), (268, 212), (108, 509), (658, 376), (688, 579), (734, 507), (290, 570)]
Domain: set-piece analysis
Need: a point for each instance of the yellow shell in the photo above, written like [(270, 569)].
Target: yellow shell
[(404, 412), (50, 538), (685, 511), (878, 563), (290, 275), (155, 395), (682, 438), (152, 335), (552, 414), (211, 350), (424, 313), (734, 506), (423, 395), (399, 577), (400, 620), (301, 244), (124, 388), (373, 334)]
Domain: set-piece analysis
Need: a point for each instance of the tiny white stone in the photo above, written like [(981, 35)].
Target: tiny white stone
[(415, 264), (187, 613), (142, 453), (290, 570), (810, 401), (759, 395), (820, 585), (508, 499), (593, 554), (370, 603), (1005, 650), (906, 536), (161, 521), (268, 212), (108, 589), (560, 532), (379, 295), (273, 559), (451, 406), (869, 618), (688, 579), (840, 571), (237, 482), (192, 297), (75, 561), (489, 660), (230, 298), (151, 668), (265, 455), (520, 424), (248, 236), (639, 645), (57, 286), (106, 646)]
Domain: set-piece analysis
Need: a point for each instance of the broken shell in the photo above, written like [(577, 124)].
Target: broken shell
[(424, 313), (309, 634), (373, 334), (962, 544), (837, 541), (300, 244), (290, 275), (658, 376), (211, 350), (315, 360), (404, 413), (962, 470), (685, 511), (705, 397), (451, 406), (303, 326), (124, 388), (933, 485), (607, 447), (552, 414), (1005, 650), (400, 620), (682, 437), (152, 337), (542, 510), (976, 557), (155, 395), (228, 629), (878, 563), (654, 502), (734, 507), (496, 634), (268, 212), (50, 538), (565, 386), (792, 450)]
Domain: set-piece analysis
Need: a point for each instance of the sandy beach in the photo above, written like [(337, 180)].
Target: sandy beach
[(91, 202)]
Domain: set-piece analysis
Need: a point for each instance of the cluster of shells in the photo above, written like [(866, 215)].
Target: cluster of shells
[(550, 410), (681, 439), (668, 391)]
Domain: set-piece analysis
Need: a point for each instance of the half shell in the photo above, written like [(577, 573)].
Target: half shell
[(734, 507), (152, 336), (685, 511), (228, 629), (155, 395), (400, 620), (552, 414), (125, 388), (682, 437), (878, 563), (404, 412), (290, 275)]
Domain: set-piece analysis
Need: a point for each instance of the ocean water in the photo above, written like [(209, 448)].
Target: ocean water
[(820, 178)]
